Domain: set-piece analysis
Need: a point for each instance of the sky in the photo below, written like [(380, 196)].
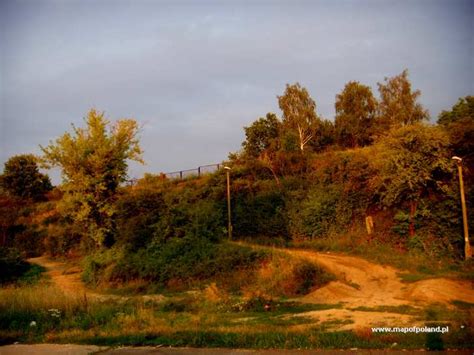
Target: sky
[(194, 73)]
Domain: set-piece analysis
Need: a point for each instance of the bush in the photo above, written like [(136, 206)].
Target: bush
[(324, 210), (138, 211), (176, 261), (12, 265), (260, 213)]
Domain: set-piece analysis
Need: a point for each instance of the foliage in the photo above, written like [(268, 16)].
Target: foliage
[(94, 162), (459, 123), (12, 265), (413, 162), (463, 109), (260, 211), (398, 103), (322, 211), (21, 178), (137, 213), (174, 264), (260, 134), (10, 210), (356, 110), (299, 113)]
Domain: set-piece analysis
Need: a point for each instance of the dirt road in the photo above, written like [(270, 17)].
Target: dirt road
[(363, 283), (67, 278), (373, 295)]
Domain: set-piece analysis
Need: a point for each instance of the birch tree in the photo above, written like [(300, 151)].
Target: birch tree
[(299, 113)]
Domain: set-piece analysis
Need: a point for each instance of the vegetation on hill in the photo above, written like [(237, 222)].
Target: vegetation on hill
[(298, 179)]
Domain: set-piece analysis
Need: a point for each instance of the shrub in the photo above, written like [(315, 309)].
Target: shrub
[(324, 210), (260, 213), (178, 260), (138, 211), (12, 265)]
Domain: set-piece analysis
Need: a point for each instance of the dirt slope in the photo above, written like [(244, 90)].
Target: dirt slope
[(363, 283)]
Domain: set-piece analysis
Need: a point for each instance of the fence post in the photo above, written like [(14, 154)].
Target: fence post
[(181, 175), (199, 171)]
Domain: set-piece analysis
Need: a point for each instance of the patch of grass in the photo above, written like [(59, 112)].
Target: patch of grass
[(32, 275), (313, 338), (402, 309), (463, 305), (412, 277), (353, 285), (335, 322)]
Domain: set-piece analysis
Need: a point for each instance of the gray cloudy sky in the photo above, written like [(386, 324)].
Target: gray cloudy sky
[(194, 73)]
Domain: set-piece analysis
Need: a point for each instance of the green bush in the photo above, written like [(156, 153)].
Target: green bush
[(307, 276), (260, 213), (137, 214), (183, 260), (324, 210), (12, 265)]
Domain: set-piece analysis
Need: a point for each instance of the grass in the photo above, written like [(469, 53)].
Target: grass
[(191, 319), (402, 309)]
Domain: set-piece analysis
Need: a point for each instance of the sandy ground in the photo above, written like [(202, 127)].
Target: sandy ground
[(365, 284)]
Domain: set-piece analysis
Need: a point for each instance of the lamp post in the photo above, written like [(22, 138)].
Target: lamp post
[(229, 225), (467, 245)]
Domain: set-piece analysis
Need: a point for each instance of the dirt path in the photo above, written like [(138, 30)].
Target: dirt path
[(362, 285), (67, 278)]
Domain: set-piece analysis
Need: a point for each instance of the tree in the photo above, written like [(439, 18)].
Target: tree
[(462, 110), (459, 123), (413, 161), (94, 162), (398, 103), (21, 178), (299, 113), (260, 134), (356, 109)]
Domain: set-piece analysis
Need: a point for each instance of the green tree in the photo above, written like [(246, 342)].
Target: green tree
[(21, 178), (94, 162), (413, 160), (356, 109), (459, 123), (299, 113), (462, 110), (260, 135), (398, 103)]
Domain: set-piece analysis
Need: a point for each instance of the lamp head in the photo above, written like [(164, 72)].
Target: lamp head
[(227, 168), (458, 159)]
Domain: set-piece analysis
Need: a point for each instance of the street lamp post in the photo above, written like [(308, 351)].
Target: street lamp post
[(467, 245), (229, 221)]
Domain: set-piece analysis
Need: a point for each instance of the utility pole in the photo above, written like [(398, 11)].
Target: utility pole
[(229, 221), (467, 245)]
